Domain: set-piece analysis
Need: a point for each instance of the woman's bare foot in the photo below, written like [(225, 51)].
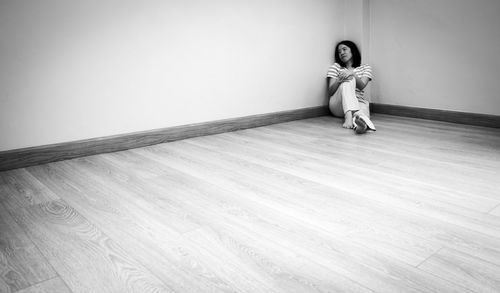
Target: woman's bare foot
[(348, 120)]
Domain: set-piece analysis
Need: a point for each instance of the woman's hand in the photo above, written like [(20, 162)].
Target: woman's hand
[(345, 75)]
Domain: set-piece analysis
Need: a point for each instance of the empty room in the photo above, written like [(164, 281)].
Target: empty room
[(254, 146)]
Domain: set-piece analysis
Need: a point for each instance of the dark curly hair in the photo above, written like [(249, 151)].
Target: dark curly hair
[(356, 55)]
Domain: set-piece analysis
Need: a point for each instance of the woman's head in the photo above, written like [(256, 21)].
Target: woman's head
[(346, 50)]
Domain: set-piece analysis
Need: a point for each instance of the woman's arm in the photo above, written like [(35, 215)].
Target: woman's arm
[(363, 76), (361, 82), (334, 83)]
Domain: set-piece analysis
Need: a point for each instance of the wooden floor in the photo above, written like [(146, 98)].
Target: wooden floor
[(304, 206)]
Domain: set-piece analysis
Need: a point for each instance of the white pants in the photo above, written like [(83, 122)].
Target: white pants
[(345, 100)]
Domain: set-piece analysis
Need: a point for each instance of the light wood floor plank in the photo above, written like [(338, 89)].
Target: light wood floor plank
[(464, 234), (402, 142), (304, 206), (178, 186), (151, 242), (164, 205), (373, 159), (55, 285), (336, 254), (473, 273), (358, 156), (282, 267), (21, 264), (378, 171), (85, 258), (115, 179), (196, 194), (495, 211), (269, 186), (422, 164), (19, 189), (166, 247), (471, 239)]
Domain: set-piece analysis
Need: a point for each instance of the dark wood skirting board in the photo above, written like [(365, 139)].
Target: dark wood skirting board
[(439, 115), (25, 157)]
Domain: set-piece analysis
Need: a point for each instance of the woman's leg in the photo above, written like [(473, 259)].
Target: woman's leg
[(364, 107), (344, 102), (362, 117)]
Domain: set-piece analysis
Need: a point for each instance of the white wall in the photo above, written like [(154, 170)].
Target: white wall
[(439, 54), (73, 70)]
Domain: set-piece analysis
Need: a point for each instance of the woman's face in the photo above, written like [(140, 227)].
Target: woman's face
[(344, 52)]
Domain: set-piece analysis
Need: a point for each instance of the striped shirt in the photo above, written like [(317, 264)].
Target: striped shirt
[(364, 70)]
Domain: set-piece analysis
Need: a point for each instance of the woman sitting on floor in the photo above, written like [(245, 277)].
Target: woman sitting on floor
[(347, 79)]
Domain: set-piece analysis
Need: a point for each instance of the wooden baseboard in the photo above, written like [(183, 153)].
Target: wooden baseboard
[(439, 115), (25, 157)]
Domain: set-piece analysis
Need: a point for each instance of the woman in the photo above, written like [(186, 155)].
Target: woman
[(347, 79)]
